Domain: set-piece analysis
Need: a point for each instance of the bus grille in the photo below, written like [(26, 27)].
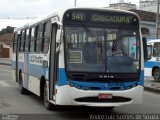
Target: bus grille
[(97, 100)]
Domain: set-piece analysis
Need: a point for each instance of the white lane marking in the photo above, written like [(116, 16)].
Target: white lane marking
[(5, 70), (4, 84)]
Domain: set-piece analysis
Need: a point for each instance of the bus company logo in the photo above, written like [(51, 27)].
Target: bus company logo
[(106, 76), (106, 86)]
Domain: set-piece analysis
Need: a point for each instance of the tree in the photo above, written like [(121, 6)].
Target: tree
[(6, 30)]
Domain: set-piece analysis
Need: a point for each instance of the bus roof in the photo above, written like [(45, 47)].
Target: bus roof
[(154, 40), (61, 12)]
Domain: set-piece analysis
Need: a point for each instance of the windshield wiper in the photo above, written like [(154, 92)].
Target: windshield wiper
[(90, 32)]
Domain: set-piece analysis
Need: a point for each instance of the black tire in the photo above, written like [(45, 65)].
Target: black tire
[(110, 108), (156, 74), (47, 104), (22, 90)]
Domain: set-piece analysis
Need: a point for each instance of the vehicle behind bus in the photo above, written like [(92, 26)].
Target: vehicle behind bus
[(152, 66)]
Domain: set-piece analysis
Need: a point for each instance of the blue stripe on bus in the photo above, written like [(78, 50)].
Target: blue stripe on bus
[(62, 78), (141, 81), (103, 86), (32, 69), (38, 70), (151, 64)]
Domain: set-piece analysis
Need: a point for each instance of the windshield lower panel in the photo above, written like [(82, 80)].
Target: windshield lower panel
[(102, 50)]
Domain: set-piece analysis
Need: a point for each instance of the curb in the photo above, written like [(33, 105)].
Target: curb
[(151, 89), (7, 64)]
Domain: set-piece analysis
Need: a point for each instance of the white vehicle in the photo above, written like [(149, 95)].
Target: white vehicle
[(81, 56), (152, 66)]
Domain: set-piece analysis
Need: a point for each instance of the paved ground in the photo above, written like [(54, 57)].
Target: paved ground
[(5, 61), (151, 85)]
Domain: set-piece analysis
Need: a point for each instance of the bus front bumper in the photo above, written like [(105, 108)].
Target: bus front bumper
[(72, 96)]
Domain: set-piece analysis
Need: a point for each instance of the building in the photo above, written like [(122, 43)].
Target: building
[(148, 23), (122, 5), (5, 45), (148, 5)]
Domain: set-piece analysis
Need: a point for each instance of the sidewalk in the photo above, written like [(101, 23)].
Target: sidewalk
[(5, 61)]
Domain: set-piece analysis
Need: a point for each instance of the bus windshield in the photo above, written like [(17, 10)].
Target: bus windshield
[(99, 48), (102, 49)]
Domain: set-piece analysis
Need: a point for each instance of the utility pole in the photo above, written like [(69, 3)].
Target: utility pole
[(75, 3), (157, 19)]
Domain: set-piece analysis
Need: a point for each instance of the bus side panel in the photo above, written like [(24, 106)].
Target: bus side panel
[(34, 70)]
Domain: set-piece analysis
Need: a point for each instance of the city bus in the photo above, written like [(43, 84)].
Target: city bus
[(152, 66), (81, 57)]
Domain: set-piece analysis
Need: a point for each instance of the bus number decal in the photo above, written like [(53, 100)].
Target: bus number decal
[(33, 59)]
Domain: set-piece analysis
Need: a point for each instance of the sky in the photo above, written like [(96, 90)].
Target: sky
[(15, 9)]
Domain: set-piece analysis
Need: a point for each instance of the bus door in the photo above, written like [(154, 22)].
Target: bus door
[(53, 62), (17, 52)]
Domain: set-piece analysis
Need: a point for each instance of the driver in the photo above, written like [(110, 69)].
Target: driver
[(117, 48)]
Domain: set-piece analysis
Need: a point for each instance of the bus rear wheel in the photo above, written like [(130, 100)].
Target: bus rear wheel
[(156, 74), (47, 104), (22, 90)]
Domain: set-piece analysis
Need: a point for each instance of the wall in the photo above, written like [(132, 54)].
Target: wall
[(152, 29)]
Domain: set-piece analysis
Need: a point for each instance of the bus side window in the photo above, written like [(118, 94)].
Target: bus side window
[(46, 36), (27, 40), (23, 40), (38, 38), (15, 43), (32, 39), (20, 42), (156, 49)]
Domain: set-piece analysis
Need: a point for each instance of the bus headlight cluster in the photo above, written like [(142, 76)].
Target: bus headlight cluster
[(71, 84)]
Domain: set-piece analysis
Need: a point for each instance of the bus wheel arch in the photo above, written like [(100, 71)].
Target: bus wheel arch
[(44, 93), (156, 73), (42, 85)]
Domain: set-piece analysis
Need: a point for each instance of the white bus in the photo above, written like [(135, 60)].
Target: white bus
[(81, 56), (152, 66)]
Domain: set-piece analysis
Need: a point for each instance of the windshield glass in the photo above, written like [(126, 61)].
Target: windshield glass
[(102, 50)]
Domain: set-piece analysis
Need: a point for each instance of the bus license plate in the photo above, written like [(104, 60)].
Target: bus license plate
[(105, 96)]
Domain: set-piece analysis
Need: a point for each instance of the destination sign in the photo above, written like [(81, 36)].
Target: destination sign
[(110, 18), (100, 17)]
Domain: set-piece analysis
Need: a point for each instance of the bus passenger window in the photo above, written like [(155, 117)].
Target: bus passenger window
[(15, 43), (38, 38), (32, 40), (20, 42), (27, 40), (156, 49), (46, 37)]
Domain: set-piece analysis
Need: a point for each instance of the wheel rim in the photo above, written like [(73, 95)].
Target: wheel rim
[(157, 75)]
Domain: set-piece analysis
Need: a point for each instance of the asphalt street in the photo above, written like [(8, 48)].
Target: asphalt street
[(12, 102)]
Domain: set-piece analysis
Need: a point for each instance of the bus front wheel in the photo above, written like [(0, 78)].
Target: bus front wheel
[(21, 88), (47, 104), (156, 74)]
